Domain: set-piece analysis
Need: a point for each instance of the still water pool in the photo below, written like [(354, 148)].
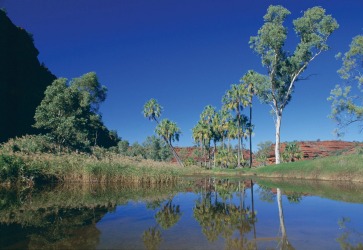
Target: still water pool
[(207, 213)]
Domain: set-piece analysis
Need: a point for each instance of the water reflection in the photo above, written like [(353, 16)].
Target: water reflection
[(348, 235), (166, 217), (219, 216), (206, 213)]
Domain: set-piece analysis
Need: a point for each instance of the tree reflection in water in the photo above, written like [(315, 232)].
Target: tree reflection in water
[(152, 238), (347, 232), (168, 215), (221, 217)]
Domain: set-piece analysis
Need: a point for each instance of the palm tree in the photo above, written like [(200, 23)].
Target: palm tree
[(168, 130), (250, 80), (232, 132), (235, 99), (217, 133), (206, 118), (152, 110), (225, 118), (200, 134)]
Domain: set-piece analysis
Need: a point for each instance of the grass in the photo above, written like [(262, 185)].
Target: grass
[(85, 168), (334, 190), (342, 168), (112, 168)]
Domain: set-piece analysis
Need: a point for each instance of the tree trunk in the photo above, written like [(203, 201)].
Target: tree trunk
[(214, 154), (277, 134), (204, 154), (284, 242), (176, 156), (239, 139), (250, 135), (242, 148)]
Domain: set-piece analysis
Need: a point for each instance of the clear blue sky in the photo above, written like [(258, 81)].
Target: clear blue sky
[(186, 54)]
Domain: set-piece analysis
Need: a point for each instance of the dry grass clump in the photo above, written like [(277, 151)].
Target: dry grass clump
[(46, 167)]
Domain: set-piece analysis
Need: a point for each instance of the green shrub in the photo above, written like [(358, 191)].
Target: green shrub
[(189, 161), (11, 167), (292, 152), (30, 144), (264, 149)]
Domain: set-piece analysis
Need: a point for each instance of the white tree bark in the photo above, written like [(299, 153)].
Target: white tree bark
[(277, 135)]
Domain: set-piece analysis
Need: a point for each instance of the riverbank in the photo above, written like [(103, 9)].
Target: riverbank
[(32, 169), (339, 168), (50, 168)]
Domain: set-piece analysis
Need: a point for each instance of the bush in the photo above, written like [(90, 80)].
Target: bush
[(292, 152), (189, 161), (11, 167), (264, 149), (30, 144)]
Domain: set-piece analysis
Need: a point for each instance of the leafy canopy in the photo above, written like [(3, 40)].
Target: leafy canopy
[(347, 106), (284, 68), (69, 112)]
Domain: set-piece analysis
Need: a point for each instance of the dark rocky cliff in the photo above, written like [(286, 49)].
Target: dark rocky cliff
[(23, 80)]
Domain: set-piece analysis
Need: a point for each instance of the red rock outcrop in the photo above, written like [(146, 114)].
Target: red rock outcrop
[(309, 149), (313, 149)]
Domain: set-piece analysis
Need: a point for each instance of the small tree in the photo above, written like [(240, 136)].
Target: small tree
[(263, 152), (156, 149), (123, 147), (292, 152), (283, 68)]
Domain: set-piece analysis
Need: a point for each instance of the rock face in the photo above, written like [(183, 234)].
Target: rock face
[(309, 149), (23, 80), (313, 149)]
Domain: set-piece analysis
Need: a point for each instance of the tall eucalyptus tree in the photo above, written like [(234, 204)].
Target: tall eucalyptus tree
[(284, 68)]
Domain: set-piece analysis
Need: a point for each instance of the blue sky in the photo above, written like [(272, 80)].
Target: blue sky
[(186, 54)]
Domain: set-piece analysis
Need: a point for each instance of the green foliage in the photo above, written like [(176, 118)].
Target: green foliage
[(346, 107), (292, 152), (123, 147), (29, 144), (168, 130), (156, 149), (263, 152), (11, 168), (189, 161), (152, 109), (226, 159), (235, 100), (137, 150), (69, 113)]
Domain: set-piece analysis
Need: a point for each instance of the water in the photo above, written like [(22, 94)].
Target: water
[(206, 213)]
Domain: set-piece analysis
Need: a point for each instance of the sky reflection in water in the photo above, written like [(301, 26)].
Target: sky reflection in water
[(203, 214)]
